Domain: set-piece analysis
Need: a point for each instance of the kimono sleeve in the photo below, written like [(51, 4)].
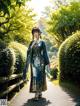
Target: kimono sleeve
[(45, 54)]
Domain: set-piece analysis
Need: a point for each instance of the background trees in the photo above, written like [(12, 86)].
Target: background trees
[(16, 21), (63, 24), (64, 21), (6, 5)]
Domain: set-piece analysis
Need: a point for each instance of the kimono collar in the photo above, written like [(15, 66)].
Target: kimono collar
[(37, 41)]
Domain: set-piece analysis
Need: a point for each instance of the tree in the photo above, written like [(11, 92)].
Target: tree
[(64, 21), (6, 5), (17, 24)]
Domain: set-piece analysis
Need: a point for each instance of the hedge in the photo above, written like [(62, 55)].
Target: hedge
[(20, 52), (7, 62), (69, 58), (2, 45), (12, 58)]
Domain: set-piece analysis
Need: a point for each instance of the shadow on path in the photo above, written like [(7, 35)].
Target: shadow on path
[(74, 94), (41, 102)]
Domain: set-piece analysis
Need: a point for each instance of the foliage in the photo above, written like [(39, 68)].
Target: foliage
[(17, 26), (20, 52), (24, 20), (2, 45), (54, 73), (7, 61), (54, 68), (12, 59), (69, 59), (6, 5), (64, 21)]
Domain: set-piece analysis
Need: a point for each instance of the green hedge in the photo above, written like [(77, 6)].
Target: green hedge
[(7, 62), (69, 59), (12, 58), (2, 45), (20, 52), (20, 62)]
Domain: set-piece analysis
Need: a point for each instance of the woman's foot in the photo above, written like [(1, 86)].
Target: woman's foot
[(36, 96), (40, 95)]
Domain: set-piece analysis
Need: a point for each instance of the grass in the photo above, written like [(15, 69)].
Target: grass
[(55, 82)]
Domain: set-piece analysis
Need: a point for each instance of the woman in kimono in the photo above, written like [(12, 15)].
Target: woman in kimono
[(38, 58)]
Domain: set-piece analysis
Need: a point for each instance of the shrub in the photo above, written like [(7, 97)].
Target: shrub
[(20, 51), (7, 61), (54, 68), (20, 62), (2, 45), (54, 73), (69, 58)]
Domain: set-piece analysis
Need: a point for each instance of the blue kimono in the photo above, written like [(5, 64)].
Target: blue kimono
[(38, 58)]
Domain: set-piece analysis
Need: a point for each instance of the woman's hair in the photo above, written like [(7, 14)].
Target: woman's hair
[(36, 29)]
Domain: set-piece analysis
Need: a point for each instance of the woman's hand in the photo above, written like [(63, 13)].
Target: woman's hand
[(49, 65)]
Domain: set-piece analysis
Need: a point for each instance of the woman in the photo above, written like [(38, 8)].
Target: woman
[(38, 59)]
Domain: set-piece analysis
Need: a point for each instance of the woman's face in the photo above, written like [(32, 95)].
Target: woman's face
[(36, 35)]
